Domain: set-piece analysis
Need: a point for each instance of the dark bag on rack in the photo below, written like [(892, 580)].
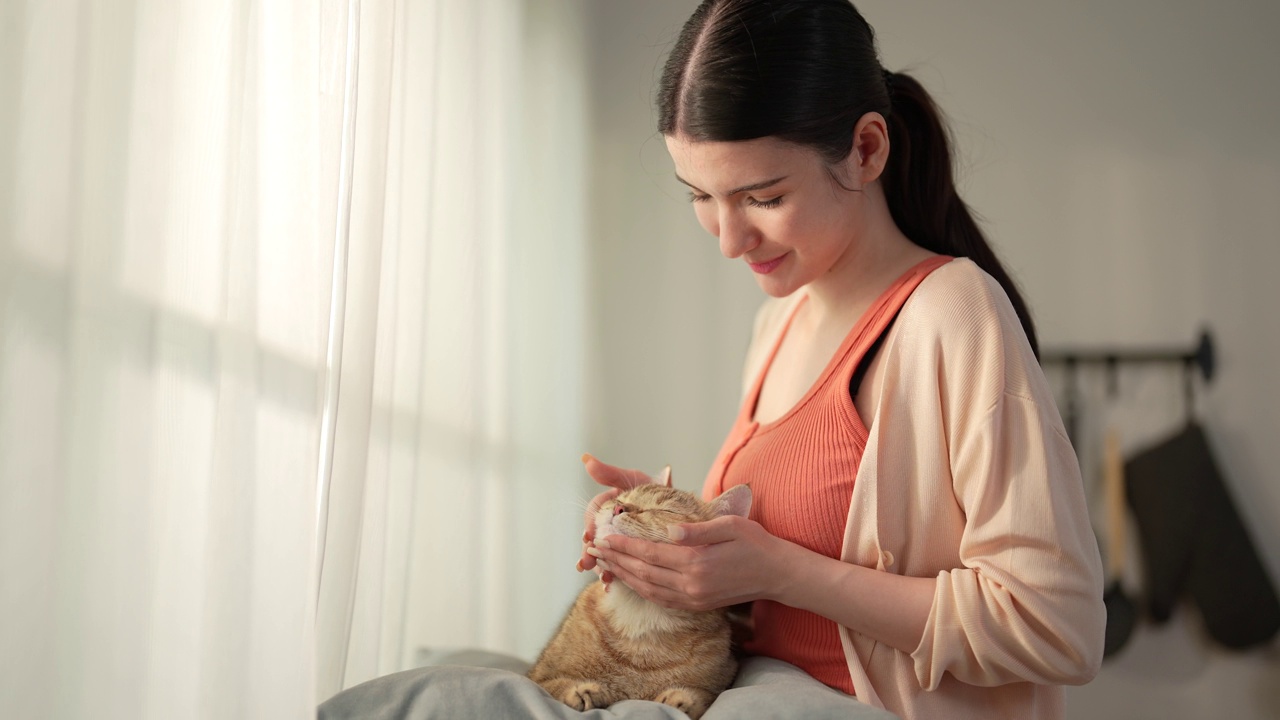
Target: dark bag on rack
[(1193, 540)]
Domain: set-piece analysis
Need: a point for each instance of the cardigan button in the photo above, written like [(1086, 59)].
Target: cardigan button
[(886, 558)]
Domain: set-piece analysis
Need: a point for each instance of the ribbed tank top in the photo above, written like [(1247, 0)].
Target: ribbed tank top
[(801, 468)]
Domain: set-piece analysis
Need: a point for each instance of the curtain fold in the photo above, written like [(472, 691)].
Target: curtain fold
[(457, 487), (291, 338), (355, 516), (164, 278)]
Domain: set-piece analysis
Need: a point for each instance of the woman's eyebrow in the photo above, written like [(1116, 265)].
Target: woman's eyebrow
[(744, 188)]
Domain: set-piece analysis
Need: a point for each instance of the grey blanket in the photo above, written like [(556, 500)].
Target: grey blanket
[(482, 685)]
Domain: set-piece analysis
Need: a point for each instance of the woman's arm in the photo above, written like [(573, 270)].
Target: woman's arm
[(892, 609), (1023, 601)]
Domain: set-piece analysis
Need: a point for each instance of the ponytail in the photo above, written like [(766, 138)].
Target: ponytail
[(921, 192)]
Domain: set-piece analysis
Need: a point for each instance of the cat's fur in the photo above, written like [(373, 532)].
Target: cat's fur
[(616, 645)]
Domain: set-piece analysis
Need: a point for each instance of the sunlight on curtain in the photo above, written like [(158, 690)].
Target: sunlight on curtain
[(453, 518), (164, 293), (291, 338), (497, 529)]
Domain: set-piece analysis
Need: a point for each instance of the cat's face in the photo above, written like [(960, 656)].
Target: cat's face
[(646, 511)]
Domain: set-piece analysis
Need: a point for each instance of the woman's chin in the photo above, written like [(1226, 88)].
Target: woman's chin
[(775, 287)]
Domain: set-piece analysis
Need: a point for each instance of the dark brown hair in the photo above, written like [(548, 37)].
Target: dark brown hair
[(805, 72)]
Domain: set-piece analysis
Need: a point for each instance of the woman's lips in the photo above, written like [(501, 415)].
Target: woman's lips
[(768, 266)]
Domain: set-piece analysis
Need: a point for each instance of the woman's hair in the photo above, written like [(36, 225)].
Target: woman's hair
[(805, 71)]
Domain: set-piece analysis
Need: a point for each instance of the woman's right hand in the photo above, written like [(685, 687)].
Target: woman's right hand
[(617, 480)]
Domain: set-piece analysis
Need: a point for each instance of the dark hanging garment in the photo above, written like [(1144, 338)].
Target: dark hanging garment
[(1195, 543)]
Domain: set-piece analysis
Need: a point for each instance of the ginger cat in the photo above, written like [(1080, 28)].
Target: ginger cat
[(615, 645)]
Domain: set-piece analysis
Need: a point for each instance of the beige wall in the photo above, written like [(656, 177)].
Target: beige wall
[(1126, 160)]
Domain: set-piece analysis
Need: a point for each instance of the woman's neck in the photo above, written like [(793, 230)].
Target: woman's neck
[(880, 255)]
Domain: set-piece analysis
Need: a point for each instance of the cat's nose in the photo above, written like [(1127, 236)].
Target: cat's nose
[(618, 510)]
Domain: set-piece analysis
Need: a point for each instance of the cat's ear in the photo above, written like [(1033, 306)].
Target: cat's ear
[(664, 477), (734, 501)]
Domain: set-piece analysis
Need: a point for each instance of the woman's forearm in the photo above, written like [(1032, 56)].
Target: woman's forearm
[(890, 608)]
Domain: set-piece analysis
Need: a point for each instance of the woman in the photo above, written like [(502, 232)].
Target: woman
[(919, 536)]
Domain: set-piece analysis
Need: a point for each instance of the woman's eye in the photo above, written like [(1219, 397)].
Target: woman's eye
[(695, 197), (771, 203)]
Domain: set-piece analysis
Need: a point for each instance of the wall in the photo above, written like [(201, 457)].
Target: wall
[(670, 317), (1125, 161)]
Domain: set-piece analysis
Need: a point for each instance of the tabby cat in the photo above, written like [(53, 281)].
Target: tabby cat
[(615, 645)]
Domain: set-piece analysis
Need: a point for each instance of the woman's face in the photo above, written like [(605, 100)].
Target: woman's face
[(771, 203)]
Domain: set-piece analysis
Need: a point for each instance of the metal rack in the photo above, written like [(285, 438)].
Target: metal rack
[(1202, 358)]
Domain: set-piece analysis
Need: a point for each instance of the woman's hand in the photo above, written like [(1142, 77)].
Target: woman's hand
[(731, 560), (617, 479), (712, 564)]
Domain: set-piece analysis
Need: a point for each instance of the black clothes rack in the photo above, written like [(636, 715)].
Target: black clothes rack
[(1201, 358), (1194, 543)]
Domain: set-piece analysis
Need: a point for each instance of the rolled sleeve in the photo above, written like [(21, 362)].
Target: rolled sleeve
[(1027, 603)]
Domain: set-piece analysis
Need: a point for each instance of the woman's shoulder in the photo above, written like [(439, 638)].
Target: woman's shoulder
[(958, 299), (963, 286), (960, 319)]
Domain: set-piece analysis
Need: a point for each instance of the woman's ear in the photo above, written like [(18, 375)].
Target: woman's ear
[(870, 152), (734, 501)]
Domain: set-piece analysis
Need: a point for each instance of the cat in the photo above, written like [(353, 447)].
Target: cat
[(615, 645)]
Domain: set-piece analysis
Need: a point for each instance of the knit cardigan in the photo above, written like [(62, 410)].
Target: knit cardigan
[(968, 477)]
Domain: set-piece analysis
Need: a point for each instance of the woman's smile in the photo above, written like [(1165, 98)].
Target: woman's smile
[(768, 266)]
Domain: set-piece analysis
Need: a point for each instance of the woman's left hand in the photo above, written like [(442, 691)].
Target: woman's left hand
[(712, 564)]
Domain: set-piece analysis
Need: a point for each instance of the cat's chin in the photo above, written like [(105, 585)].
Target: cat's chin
[(604, 523)]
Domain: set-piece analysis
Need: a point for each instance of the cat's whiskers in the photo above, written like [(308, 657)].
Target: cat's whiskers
[(578, 504), (581, 504)]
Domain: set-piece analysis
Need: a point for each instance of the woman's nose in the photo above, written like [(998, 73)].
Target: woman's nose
[(737, 236)]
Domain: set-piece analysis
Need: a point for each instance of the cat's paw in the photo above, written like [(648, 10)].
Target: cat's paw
[(691, 702), (584, 696)]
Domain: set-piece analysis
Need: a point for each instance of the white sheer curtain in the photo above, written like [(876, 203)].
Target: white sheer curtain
[(168, 200), (456, 484), (290, 343)]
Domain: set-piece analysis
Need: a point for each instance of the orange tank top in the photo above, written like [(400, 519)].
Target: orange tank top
[(801, 468)]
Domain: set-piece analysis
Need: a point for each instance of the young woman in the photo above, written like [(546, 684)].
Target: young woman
[(919, 536)]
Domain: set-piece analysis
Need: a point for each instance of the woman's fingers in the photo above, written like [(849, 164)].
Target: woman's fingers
[(648, 586), (690, 578), (613, 476), (709, 532), (646, 567), (586, 562)]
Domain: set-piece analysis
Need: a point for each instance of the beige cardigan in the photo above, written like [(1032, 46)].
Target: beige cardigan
[(968, 476)]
